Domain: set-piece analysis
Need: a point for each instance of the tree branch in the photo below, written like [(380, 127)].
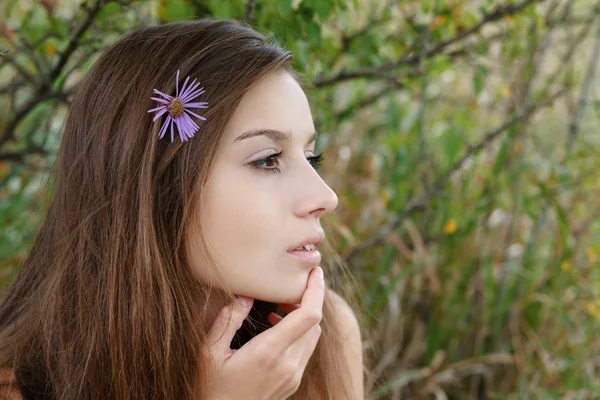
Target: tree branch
[(73, 44), (411, 59), (19, 156), (44, 89), (574, 123), (416, 205)]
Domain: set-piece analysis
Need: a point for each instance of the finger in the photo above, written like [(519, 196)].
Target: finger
[(310, 345), (312, 298), (228, 321), (274, 318), (295, 325), (304, 348)]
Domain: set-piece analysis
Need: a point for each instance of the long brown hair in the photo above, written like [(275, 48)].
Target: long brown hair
[(105, 305)]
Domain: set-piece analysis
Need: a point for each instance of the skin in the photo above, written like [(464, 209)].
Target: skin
[(250, 216)]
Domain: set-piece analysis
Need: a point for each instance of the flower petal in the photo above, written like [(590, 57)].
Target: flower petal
[(177, 84), (183, 89), (172, 136), (185, 126), (164, 127), (193, 86), (202, 104), (179, 128), (193, 95), (160, 100), (157, 108), (158, 115), (163, 94), (195, 115), (190, 121)]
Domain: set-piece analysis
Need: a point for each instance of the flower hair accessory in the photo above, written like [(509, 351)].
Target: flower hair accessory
[(178, 108)]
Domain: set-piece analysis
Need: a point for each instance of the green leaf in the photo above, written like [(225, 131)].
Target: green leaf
[(301, 54), (284, 7), (323, 8), (108, 12), (452, 141), (313, 31), (501, 157), (176, 10), (479, 77), (60, 26), (8, 8), (36, 24)]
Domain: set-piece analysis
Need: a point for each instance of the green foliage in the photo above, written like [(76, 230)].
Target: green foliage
[(489, 268)]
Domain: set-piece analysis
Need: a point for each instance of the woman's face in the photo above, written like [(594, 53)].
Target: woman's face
[(254, 210)]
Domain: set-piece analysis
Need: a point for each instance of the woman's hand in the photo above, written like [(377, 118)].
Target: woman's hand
[(270, 366)]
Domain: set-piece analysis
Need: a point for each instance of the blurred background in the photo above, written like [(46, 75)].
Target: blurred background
[(460, 136)]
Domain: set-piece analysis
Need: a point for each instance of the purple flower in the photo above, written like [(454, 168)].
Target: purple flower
[(178, 108)]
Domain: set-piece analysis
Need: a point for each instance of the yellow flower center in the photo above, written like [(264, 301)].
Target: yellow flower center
[(175, 107)]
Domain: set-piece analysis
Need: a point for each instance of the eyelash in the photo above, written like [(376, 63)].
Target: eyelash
[(314, 160)]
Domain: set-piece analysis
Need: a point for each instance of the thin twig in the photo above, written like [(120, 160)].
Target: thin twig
[(416, 205), (573, 125), (44, 89), (536, 59), (19, 156), (250, 10), (347, 40), (73, 44), (411, 59), (13, 62), (424, 40)]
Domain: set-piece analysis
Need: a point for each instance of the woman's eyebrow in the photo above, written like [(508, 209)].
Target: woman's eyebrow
[(273, 134)]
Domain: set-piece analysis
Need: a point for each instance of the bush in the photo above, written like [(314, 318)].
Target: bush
[(461, 138)]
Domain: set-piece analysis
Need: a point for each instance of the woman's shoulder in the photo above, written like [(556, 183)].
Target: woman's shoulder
[(9, 386)]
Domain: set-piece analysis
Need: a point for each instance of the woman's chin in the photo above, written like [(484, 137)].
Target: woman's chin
[(281, 299), (289, 291)]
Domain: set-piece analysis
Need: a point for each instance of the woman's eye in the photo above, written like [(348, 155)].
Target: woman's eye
[(267, 164), (270, 164), (316, 161)]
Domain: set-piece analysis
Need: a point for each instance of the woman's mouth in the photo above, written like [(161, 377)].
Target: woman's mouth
[(307, 253)]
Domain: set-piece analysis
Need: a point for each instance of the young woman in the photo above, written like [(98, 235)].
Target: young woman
[(177, 257)]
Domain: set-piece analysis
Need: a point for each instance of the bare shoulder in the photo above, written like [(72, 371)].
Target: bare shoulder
[(351, 336)]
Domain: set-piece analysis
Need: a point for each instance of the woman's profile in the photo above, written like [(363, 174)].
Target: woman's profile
[(186, 199)]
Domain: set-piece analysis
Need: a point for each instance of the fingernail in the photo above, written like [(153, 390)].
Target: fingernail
[(245, 301), (320, 271)]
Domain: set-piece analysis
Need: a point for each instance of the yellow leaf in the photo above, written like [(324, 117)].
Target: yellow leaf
[(438, 21), (11, 33), (162, 12), (4, 168), (591, 307), (518, 146), (591, 255), (50, 49), (505, 90), (450, 226)]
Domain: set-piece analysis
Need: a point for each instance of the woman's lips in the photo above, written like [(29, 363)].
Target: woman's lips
[(312, 257)]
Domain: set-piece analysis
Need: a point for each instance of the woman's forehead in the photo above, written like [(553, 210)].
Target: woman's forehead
[(275, 102)]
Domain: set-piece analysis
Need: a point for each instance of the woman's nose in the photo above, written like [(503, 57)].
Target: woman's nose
[(327, 203), (315, 197)]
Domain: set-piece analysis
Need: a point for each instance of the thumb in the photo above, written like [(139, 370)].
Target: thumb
[(228, 321)]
